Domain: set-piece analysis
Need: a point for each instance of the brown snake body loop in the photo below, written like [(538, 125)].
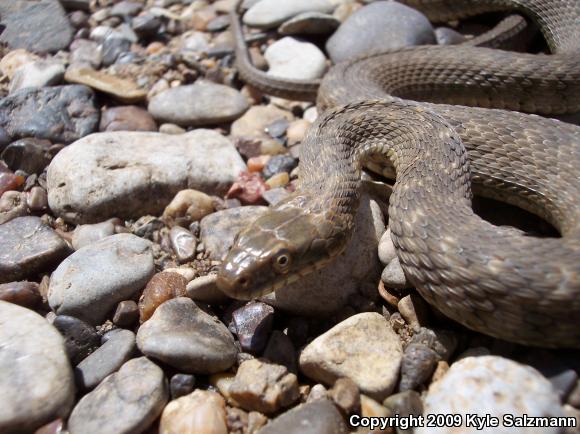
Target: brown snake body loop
[(491, 279)]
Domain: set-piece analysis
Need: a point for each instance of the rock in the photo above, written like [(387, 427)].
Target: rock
[(270, 13), (248, 188), (146, 25), (118, 174), (113, 48), (275, 195), (15, 59), (443, 342), (195, 41), (185, 337), (85, 54), (293, 59), (36, 382), (346, 396), (387, 251), (205, 290), (217, 231), (80, 338), (498, 385), (37, 74), (278, 164), (202, 103), (296, 131), (371, 408), (448, 36), (309, 23), (126, 8), (379, 26), (25, 294), (317, 417), (414, 310), (41, 27), (12, 204), (162, 287), (188, 206), (60, 114), (255, 121), (280, 350), (86, 235), (127, 118), (344, 351), (28, 247), (183, 243), (90, 282), (202, 412), (37, 199), (120, 88), (126, 314), (419, 362), (318, 391), (106, 360), (264, 387), (253, 324), (30, 155), (181, 385), (126, 401), (393, 275)]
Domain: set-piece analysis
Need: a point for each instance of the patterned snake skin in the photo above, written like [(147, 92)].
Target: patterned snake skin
[(494, 280)]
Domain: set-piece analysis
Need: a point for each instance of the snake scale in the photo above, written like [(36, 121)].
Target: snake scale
[(409, 106)]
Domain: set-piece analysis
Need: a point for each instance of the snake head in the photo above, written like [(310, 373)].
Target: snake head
[(278, 248)]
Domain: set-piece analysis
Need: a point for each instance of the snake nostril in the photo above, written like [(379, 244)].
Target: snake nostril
[(243, 281)]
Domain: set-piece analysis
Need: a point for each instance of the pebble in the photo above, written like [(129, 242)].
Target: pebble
[(126, 314), (248, 188), (183, 243), (126, 401), (498, 385), (87, 235), (275, 195), (279, 164), (181, 385), (146, 25), (115, 174), (201, 412), (12, 205), (257, 164), (113, 48), (419, 362), (80, 338), (379, 26), (188, 206), (205, 290), (443, 342), (344, 351), (387, 250), (264, 387), (120, 88), (105, 360), (36, 382), (41, 27), (126, 8), (309, 23), (448, 36), (255, 121), (217, 230), (28, 247), (292, 59), (15, 59), (253, 324), (267, 14), (280, 350), (90, 282), (61, 114), (318, 391), (127, 118), (37, 199), (162, 287), (195, 41), (296, 131), (346, 396), (393, 275), (182, 335), (85, 53), (29, 155), (276, 181), (414, 310), (202, 103), (37, 74), (25, 294), (316, 417)]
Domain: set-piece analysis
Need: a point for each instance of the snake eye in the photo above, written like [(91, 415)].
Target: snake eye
[(282, 262)]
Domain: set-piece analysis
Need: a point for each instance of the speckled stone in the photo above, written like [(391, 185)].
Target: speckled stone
[(81, 339)]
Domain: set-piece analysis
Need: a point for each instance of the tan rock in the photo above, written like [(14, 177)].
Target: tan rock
[(162, 287), (14, 60), (122, 89), (256, 119), (201, 412), (188, 206)]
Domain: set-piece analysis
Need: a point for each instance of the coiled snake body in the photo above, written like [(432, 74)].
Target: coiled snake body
[(491, 279)]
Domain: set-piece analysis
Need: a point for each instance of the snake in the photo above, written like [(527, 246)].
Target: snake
[(446, 122)]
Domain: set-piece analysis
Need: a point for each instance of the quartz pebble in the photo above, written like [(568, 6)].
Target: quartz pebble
[(183, 243), (201, 412), (293, 59), (162, 287)]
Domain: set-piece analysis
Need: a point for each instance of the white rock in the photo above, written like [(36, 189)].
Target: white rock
[(290, 58), (37, 74), (270, 13)]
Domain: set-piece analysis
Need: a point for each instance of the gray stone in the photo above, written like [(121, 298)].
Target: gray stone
[(28, 246), (127, 401), (41, 27), (418, 364), (181, 385), (60, 114), (106, 360), (37, 74), (130, 174), (90, 282), (317, 417), (36, 384), (205, 290), (494, 384), (310, 23), (291, 58), (86, 235), (182, 335), (270, 13), (199, 104), (393, 275), (85, 53), (253, 324), (344, 351), (447, 36), (217, 230), (387, 251), (80, 338), (380, 26)]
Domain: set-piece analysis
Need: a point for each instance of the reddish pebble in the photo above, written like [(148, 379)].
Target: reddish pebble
[(249, 189), (8, 180), (256, 164), (24, 294), (162, 287)]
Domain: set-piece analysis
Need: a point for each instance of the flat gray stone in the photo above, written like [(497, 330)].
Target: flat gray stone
[(380, 26), (200, 104), (90, 282), (317, 417), (106, 359), (270, 13), (495, 386), (182, 335), (36, 384), (61, 114), (127, 401), (130, 174), (363, 348), (28, 246), (294, 59)]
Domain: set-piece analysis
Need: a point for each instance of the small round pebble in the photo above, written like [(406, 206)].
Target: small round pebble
[(162, 287), (201, 412), (181, 384)]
